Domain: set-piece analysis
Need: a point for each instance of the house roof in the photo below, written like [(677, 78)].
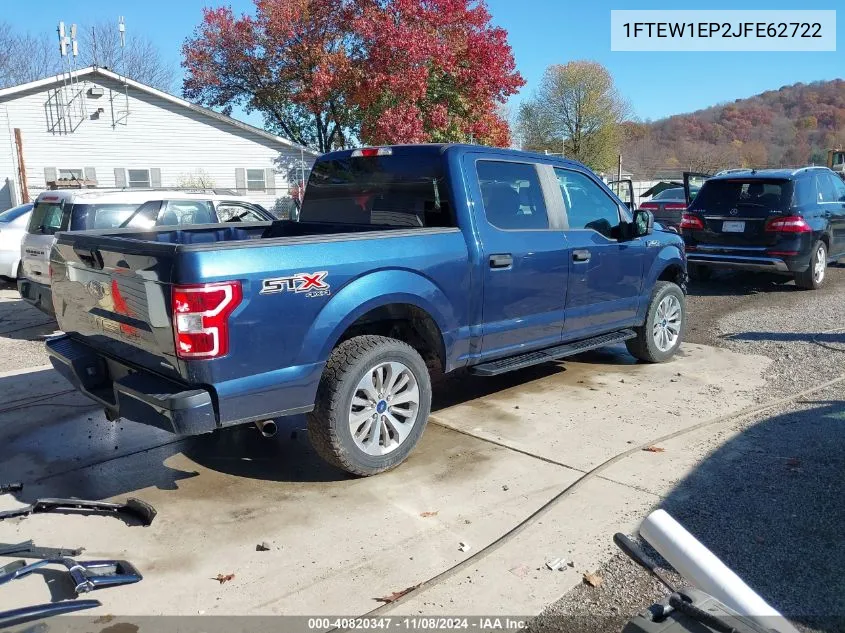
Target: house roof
[(105, 72)]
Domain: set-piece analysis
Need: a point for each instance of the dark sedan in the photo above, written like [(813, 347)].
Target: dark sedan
[(668, 206)]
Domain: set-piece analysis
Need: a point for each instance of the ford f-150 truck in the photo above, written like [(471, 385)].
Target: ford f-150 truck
[(405, 261)]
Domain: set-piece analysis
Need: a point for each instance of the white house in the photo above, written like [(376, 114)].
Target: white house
[(108, 131)]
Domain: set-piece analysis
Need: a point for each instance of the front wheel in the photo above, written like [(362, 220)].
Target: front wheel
[(659, 337), (813, 277), (372, 405)]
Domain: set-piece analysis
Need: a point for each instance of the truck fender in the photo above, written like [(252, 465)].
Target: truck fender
[(369, 292), (666, 262)]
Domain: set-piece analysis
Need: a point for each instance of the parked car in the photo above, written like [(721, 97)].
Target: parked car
[(783, 221), (406, 260), (84, 210), (12, 230), (668, 206)]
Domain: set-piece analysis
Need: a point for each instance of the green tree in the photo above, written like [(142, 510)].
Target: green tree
[(577, 106)]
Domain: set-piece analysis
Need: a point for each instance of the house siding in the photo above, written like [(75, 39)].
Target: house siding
[(174, 142)]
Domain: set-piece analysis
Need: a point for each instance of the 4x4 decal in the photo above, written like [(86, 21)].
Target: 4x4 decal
[(312, 283)]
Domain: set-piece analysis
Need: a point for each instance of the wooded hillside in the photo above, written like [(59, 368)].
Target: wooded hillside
[(792, 126)]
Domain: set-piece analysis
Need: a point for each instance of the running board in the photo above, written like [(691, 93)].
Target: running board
[(496, 367)]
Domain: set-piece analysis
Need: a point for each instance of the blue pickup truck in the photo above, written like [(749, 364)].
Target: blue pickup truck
[(406, 262)]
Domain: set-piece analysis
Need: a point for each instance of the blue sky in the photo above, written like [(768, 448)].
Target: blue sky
[(541, 32)]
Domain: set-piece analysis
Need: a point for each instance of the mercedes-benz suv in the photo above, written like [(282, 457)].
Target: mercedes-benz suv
[(777, 220)]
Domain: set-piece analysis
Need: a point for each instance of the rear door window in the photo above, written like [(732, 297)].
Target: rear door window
[(825, 188), (47, 217), (513, 199), (395, 190)]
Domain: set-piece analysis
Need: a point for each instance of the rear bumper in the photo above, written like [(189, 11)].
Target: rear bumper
[(748, 262), (127, 392), (39, 295)]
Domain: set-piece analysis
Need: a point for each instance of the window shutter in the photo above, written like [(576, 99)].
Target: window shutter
[(119, 177), (240, 179), (90, 174), (270, 181), (155, 178), (50, 175)]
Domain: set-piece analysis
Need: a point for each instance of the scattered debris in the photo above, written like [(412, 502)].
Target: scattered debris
[(263, 546), (673, 380), (593, 579), (520, 571), (505, 488), (571, 563), (467, 521), (396, 595), (104, 619), (141, 510), (223, 578), (516, 406), (556, 564), (621, 380), (429, 513), (28, 550), (463, 546), (654, 449)]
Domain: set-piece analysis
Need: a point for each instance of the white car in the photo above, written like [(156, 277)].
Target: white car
[(91, 210), (12, 230)]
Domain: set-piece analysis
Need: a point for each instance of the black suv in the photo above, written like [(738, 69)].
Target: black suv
[(777, 220)]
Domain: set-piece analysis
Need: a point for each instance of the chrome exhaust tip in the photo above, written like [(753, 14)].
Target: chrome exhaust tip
[(267, 428)]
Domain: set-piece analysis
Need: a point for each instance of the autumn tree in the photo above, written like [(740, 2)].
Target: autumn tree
[(577, 107), (327, 73)]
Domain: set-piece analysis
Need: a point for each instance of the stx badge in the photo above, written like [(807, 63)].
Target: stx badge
[(311, 283)]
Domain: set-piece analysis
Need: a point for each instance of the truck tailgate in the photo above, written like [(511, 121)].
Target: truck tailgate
[(117, 297)]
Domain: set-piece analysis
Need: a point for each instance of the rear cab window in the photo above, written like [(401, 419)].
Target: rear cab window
[(405, 189), (87, 217), (723, 195)]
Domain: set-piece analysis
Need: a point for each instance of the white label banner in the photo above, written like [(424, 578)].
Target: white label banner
[(722, 30)]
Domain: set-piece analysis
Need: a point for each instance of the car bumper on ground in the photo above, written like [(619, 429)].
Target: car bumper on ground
[(36, 294), (132, 393)]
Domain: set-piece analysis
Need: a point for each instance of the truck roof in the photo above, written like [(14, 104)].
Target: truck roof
[(430, 148), (130, 196)]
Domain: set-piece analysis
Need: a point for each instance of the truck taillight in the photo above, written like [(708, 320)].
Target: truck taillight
[(690, 221), (201, 318), (675, 206), (788, 224)]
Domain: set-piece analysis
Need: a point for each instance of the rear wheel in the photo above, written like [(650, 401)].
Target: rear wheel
[(19, 273), (814, 276), (660, 337), (697, 272), (372, 405)]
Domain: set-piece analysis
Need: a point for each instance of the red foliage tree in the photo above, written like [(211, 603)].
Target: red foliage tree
[(384, 71)]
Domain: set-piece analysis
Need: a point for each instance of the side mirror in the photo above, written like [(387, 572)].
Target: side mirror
[(643, 223)]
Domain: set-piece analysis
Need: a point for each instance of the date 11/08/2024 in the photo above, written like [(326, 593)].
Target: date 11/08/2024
[(422, 623)]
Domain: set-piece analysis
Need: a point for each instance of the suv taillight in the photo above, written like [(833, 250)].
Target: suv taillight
[(788, 224), (201, 318), (690, 221)]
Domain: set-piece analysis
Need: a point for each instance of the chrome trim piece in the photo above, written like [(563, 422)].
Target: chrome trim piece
[(719, 248), (738, 261)]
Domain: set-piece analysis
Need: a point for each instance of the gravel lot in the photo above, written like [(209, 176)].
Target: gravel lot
[(22, 331), (768, 501)]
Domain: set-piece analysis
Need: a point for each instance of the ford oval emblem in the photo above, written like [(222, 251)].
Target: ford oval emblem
[(734, 211), (96, 289)]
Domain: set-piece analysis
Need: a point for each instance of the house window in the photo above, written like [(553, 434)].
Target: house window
[(138, 178), (71, 174), (255, 180)]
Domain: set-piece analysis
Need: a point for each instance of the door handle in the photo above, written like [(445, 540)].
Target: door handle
[(581, 255), (502, 260)]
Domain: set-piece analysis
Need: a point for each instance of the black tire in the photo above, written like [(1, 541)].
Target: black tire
[(697, 272), (808, 280), (19, 273), (328, 423), (644, 347)]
